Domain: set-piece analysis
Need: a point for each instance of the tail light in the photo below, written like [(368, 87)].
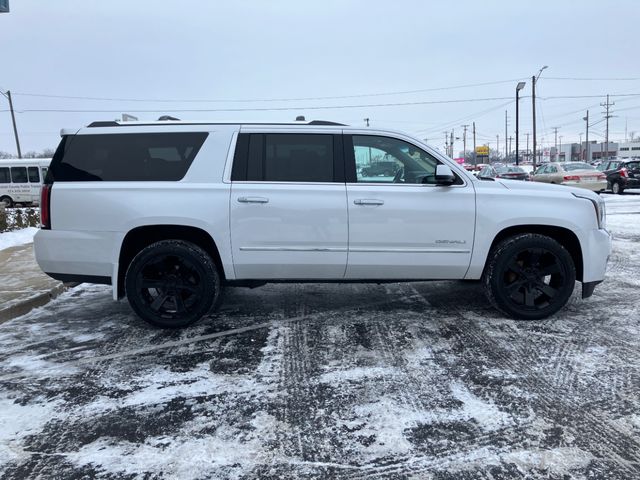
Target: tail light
[(602, 176), (623, 172), (571, 178), (45, 207)]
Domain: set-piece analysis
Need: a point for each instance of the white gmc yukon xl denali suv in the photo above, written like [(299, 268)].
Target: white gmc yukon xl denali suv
[(168, 213)]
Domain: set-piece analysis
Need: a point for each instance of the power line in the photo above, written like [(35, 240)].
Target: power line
[(447, 125), (265, 99), (592, 79), (264, 109)]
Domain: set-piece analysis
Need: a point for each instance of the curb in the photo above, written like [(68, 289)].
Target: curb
[(25, 306)]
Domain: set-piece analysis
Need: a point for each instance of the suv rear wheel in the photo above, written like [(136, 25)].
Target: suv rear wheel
[(172, 283), (529, 276)]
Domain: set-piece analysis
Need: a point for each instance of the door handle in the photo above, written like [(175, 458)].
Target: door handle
[(253, 200), (368, 201)]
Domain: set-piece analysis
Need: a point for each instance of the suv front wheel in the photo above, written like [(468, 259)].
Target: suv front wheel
[(172, 283), (529, 276)]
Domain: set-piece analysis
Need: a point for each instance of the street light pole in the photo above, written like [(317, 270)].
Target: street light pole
[(533, 103), (519, 87), (13, 119)]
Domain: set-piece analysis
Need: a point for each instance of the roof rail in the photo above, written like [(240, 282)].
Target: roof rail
[(325, 122), (103, 124), (111, 123)]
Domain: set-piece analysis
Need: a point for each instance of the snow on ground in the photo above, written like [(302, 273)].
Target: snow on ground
[(17, 237), (420, 380)]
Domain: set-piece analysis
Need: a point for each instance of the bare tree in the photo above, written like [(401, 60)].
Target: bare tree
[(46, 153)]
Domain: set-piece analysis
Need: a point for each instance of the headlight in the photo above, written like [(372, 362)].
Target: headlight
[(599, 205)]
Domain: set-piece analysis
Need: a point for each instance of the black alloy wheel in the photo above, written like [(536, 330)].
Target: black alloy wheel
[(529, 276), (172, 283)]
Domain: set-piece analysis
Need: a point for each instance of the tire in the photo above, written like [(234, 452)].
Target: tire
[(172, 284), (617, 188), (8, 201), (529, 276)]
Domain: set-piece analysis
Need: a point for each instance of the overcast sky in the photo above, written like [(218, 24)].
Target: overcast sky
[(176, 56)]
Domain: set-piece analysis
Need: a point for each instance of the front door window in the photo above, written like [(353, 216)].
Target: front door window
[(390, 160)]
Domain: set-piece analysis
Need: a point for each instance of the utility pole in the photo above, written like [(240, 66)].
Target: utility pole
[(475, 159), (555, 129), (519, 87), (451, 145), (581, 151), (13, 119), (510, 138), (497, 145), (446, 143), (607, 117), (464, 142), (528, 155), (560, 147), (587, 154), (367, 120), (533, 104), (506, 121)]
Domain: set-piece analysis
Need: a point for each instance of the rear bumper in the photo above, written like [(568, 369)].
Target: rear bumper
[(62, 254), (593, 186), (631, 183)]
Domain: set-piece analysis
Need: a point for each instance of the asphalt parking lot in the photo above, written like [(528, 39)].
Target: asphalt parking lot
[(419, 380)]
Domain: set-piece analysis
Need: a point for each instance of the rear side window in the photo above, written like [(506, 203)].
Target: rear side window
[(19, 174), (298, 158), (4, 175), (281, 157), (34, 174), (126, 157)]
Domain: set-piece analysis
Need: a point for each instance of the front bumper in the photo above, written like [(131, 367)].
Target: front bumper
[(595, 255)]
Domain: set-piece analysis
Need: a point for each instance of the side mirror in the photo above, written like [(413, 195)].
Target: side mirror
[(444, 175)]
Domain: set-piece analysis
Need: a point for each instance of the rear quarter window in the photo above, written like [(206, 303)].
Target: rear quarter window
[(126, 157)]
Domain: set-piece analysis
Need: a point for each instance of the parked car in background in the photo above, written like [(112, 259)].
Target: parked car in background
[(505, 172), (573, 174), (621, 174), (385, 169), (527, 167)]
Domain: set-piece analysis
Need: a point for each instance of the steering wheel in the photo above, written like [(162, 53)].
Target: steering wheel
[(398, 176)]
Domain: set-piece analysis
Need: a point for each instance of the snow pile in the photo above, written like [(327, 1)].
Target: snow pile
[(17, 237)]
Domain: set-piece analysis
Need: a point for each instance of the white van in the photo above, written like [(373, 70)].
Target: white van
[(21, 179)]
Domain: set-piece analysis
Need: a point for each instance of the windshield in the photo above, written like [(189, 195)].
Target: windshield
[(569, 167), (509, 170)]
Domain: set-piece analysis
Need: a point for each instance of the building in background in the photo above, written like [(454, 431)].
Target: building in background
[(629, 149)]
